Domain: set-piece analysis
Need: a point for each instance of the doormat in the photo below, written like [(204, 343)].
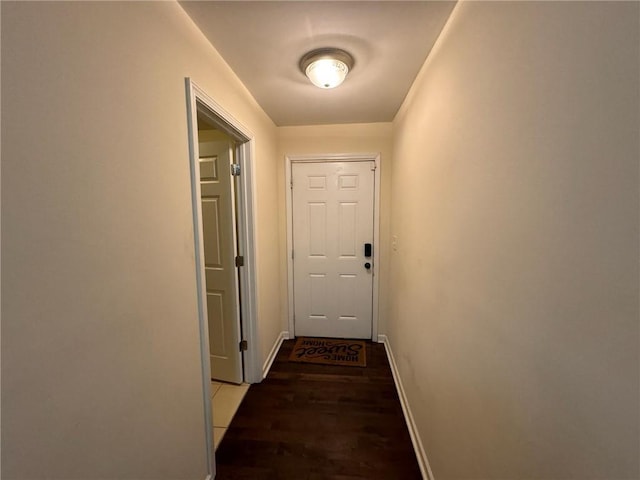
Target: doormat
[(329, 351)]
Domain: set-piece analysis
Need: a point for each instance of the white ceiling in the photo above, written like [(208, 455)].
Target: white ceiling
[(263, 42)]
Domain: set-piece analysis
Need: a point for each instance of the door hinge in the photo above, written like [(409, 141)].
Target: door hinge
[(243, 345), (291, 184), (291, 254), (235, 169), (239, 261)]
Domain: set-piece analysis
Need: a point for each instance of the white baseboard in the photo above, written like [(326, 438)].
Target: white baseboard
[(272, 354), (423, 462)]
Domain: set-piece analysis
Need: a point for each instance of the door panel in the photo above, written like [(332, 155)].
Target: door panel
[(317, 229), (332, 220), (218, 217), (215, 310), (211, 232), (347, 229)]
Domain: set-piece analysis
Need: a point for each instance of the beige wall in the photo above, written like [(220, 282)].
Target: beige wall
[(337, 139), (100, 343), (514, 288)]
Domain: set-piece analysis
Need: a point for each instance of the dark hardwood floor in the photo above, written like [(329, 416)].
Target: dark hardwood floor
[(313, 422)]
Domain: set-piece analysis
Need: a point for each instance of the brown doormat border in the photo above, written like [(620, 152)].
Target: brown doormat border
[(329, 351)]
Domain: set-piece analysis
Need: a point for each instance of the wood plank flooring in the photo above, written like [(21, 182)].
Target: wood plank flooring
[(317, 422)]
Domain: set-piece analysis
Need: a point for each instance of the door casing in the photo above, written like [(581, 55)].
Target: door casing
[(333, 157), (246, 246)]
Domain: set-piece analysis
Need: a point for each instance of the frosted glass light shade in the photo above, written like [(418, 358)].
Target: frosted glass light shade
[(327, 73), (326, 68)]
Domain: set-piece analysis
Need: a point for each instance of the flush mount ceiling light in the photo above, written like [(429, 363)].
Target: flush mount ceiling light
[(326, 67)]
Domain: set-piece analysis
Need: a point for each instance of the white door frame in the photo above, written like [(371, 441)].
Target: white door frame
[(246, 245), (333, 157)]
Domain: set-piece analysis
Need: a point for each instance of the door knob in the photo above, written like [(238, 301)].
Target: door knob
[(367, 265)]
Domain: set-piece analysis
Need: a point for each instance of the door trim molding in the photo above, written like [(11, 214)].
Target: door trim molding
[(328, 158), (246, 245)]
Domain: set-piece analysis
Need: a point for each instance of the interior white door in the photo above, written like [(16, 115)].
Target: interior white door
[(333, 215), (221, 275)]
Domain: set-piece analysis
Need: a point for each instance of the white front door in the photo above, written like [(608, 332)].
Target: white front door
[(219, 235), (333, 217)]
